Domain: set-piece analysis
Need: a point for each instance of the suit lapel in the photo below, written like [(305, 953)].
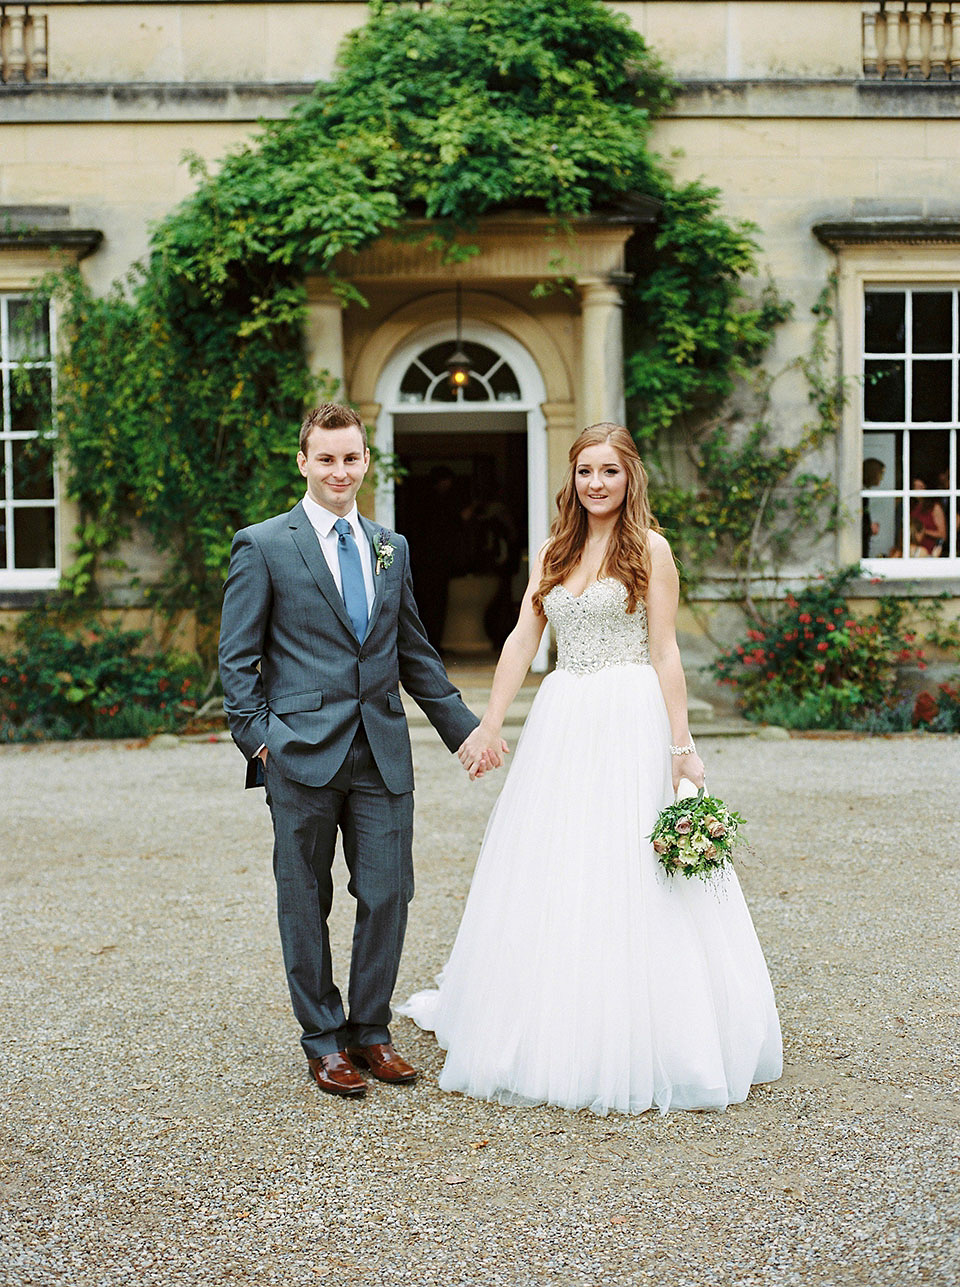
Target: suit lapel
[(379, 582), (305, 539)]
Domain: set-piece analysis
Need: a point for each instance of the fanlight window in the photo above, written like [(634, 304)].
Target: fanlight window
[(491, 378)]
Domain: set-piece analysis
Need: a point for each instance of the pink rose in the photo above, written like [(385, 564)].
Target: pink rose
[(660, 846), (684, 825), (715, 828)]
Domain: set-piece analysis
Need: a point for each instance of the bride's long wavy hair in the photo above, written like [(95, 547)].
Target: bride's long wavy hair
[(626, 558)]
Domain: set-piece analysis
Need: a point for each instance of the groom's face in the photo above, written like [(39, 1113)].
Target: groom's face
[(334, 466)]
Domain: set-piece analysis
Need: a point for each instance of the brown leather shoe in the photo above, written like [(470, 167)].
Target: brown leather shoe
[(337, 1076), (384, 1062)]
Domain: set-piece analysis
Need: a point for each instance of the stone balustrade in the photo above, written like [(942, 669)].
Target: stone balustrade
[(23, 44), (911, 39)]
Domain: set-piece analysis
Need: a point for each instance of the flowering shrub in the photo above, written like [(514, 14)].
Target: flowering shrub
[(941, 714), (815, 666), (92, 682)]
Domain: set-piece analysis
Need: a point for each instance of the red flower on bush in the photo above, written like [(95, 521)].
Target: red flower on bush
[(822, 647), (924, 709), (805, 618)]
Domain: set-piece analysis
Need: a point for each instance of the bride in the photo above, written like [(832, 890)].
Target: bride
[(582, 975)]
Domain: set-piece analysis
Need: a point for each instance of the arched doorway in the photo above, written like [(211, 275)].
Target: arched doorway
[(473, 496)]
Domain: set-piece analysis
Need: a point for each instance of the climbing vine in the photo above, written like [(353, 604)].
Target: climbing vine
[(740, 489), (180, 387)]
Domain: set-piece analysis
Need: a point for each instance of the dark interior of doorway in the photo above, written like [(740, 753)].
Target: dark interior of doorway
[(462, 504)]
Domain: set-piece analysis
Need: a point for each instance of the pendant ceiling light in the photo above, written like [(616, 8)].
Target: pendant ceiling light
[(458, 364)]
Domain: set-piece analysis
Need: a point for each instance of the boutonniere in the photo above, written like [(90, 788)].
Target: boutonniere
[(384, 551)]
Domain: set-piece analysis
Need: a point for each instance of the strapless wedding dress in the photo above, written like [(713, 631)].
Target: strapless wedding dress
[(582, 975)]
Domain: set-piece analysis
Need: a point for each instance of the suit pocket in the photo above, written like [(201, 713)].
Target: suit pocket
[(287, 703), (395, 703)]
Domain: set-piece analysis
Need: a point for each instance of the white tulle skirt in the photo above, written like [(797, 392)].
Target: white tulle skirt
[(581, 975)]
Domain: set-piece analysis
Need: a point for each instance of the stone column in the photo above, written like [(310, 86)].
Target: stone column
[(939, 58), (871, 55), (916, 12), (601, 351), (16, 60), (562, 429), (324, 335), (37, 65), (893, 54), (375, 498)]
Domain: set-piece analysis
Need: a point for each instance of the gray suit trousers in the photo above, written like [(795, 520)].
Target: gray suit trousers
[(377, 830)]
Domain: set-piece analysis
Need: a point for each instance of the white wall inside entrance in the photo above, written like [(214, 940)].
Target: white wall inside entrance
[(455, 415)]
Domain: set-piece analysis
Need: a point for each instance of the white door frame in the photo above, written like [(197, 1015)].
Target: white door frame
[(533, 394)]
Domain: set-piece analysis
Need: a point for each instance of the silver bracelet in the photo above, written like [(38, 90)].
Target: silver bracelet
[(683, 750)]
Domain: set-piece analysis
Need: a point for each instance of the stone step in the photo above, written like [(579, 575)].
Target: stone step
[(700, 712)]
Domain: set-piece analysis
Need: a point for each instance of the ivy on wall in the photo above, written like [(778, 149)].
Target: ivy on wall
[(181, 388)]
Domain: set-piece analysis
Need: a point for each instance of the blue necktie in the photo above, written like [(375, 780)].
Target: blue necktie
[(351, 578)]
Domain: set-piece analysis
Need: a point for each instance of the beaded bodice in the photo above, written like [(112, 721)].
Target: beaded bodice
[(594, 630)]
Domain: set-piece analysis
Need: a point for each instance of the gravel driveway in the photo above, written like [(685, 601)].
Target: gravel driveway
[(158, 1127)]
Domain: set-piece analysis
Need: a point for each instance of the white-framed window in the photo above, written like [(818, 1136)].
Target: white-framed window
[(28, 484), (910, 422)]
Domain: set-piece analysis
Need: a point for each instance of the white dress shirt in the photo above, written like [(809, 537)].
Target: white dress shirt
[(322, 521)]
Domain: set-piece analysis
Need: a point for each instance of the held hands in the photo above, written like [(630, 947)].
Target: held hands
[(482, 750), (687, 766)]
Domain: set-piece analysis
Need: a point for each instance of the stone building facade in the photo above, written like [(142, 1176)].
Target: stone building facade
[(833, 125)]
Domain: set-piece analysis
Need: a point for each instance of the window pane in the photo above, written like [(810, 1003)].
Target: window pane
[(33, 532), (504, 384), (30, 400), (443, 393), (415, 384), (933, 322), (481, 358), (3, 537), (931, 391), (930, 461), (928, 526), (881, 527), (32, 469), (29, 331), (476, 391), (435, 357), (882, 460), (883, 391), (884, 325)]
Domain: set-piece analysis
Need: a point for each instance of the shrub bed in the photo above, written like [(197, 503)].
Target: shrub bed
[(815, 665), (91, 680)]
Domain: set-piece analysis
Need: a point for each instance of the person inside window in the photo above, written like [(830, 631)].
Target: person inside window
[(928, 524), (873, 471)]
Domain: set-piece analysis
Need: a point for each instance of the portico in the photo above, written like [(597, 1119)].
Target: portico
[(544, 302)]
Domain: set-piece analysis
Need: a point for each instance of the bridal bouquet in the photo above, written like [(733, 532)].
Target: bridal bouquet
[(696, 836)]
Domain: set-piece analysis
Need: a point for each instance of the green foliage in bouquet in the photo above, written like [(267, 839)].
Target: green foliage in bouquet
[(181, 387), (815, 665), (91, 681), (696, 836)]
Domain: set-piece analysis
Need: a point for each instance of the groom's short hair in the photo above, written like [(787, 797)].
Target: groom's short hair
[(331, 415)]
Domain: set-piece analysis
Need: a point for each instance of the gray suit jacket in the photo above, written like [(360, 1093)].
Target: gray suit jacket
[(296, 678)]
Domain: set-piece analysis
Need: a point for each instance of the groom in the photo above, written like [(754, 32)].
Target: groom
[(319, 629)]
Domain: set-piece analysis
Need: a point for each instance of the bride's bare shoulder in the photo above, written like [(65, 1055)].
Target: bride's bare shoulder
[(659, 546)]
